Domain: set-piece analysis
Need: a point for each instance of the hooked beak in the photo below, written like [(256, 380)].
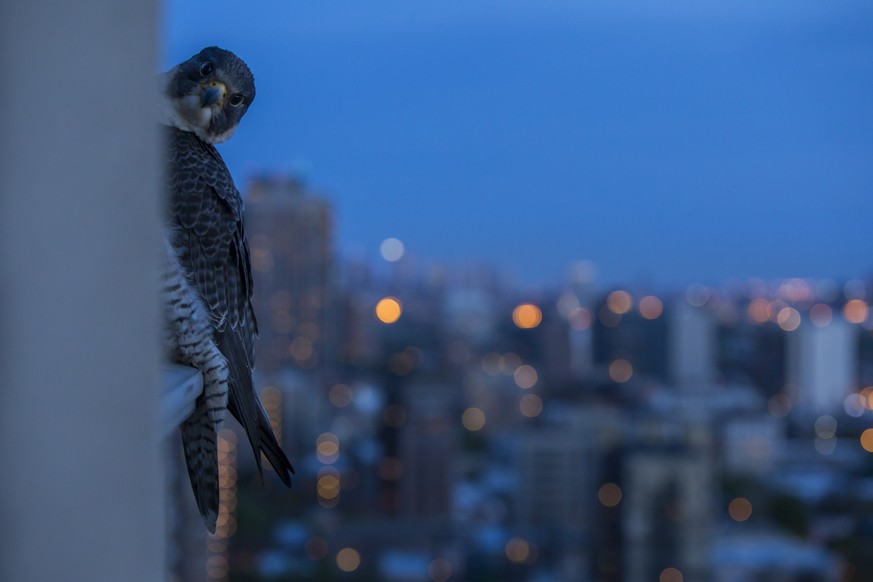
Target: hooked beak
[(212, 93)]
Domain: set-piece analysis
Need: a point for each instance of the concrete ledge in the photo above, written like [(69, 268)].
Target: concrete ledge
[(181, 387)]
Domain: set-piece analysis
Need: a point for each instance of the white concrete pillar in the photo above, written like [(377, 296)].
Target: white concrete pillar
[(81, 494)]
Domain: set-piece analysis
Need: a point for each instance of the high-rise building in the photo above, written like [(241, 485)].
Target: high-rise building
[(560, 466), (667, 509), (290, 232), (427, 447), (692, 340), (822, 366), (556, 470)]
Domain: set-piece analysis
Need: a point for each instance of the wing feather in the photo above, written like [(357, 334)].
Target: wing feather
[(207, 212)]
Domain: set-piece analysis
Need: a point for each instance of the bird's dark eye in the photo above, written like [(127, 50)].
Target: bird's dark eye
[(236, 100), (206, 69)]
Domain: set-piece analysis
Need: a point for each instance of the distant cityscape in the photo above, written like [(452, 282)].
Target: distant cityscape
[(448, 426)]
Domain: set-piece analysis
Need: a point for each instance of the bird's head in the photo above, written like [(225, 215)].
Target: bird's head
[(208, 94)]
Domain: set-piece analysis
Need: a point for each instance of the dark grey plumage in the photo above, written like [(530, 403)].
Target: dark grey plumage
[(206, 97)]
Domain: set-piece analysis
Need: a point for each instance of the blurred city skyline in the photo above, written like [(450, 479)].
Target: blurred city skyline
[(458, 427), (668, 143)]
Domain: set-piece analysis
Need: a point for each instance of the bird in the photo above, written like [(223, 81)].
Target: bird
[(207, 280)]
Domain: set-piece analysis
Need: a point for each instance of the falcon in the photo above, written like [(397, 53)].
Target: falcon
[(207, 281)]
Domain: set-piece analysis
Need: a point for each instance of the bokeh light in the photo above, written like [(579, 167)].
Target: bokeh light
[(527, 316), (651, 307), (340, 395), (392, 249), (740, 509), (671, 575), (855, 311), (517, 550), (327, 448), (854, 404), (620, 371), (609, 494), (758, 311), (866, 395), (867, 440), (348, 559), (825, 446), (821, 315), (525, 376), (300, 348), (619, 302), (788, 318), (530, 405), (217, 567), (473, 419), (328, 486), (825, 426), (388, 310), (697, 294)]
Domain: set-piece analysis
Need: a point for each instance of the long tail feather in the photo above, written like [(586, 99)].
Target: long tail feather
[(201, 457), (272, 450), (244, 405)]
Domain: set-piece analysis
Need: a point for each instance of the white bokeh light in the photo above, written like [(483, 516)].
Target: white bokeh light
[(392, 249)]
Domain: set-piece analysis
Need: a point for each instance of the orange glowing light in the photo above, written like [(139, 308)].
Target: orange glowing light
[(527, 316), (609, 494), (327, 448), (759, 311), (651, 307), (867, 440), (348, 559), (855, 311), (740, 509), (620, 371), (328, 486), (619, 302), (388, 310)]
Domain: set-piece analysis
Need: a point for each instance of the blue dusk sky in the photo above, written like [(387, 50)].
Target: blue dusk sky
[(667, 141)]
